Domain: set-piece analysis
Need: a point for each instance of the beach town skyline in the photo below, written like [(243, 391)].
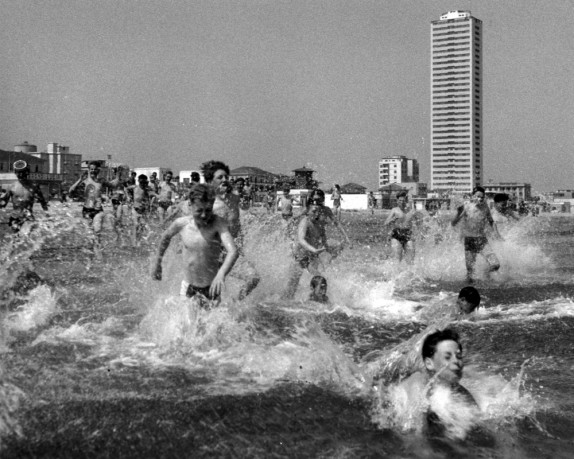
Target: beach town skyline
[(334, 86)]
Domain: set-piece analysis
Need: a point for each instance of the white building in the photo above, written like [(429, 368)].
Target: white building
[(398, 169), (456, 102)]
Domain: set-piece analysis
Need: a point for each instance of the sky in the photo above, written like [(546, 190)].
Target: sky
[(334, 85)]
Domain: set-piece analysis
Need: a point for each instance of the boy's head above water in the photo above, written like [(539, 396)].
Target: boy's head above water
[(468, 300), (442, 356), (318, 289)]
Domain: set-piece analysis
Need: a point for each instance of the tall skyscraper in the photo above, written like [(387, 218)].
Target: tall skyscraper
[(456, 102)]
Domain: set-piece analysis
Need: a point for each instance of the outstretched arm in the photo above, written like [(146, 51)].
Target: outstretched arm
[(227, 241)]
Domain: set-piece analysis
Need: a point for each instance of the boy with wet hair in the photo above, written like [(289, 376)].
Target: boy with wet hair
[(468, 300), (203, 234), (319, 290), (442, 357)]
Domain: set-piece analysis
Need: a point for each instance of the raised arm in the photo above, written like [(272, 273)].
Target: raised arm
[(230, 257), (75, 185)]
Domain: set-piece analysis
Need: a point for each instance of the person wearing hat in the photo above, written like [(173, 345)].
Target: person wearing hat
[(23, 194)]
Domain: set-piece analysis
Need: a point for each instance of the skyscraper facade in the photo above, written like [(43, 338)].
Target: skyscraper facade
[(456, 102)]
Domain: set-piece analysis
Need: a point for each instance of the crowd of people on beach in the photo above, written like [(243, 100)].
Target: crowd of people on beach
[(207, 227)]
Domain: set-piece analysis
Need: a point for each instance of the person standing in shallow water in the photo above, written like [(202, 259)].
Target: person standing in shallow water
[(203, 235), (23, 194), (336, 197), (93, 209), (401, 220), (476, 219)]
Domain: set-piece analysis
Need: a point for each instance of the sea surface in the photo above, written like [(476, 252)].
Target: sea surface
[(99, 360)]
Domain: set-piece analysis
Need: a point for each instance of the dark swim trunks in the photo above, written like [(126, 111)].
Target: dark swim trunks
[(403, 235), (90, 212), (206, 300), (475, 244), (164, 204)]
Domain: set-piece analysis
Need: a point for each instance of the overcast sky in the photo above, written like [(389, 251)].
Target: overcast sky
[(334, 85)]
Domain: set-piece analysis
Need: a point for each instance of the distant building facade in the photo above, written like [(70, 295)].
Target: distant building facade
[(398, 169), (516, 191), (456, 102), (60, 161)]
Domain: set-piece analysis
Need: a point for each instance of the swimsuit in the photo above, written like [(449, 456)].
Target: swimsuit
[(206, 300), (403, 235), (475, 244), (164, 204)]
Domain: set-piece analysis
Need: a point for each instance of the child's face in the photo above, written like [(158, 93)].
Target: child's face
[(478, 197), (314, 213), (320, 289), (464, 306), (447, 361)]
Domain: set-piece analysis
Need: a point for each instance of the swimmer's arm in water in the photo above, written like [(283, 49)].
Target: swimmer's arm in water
[(230, 258), (168, 234)]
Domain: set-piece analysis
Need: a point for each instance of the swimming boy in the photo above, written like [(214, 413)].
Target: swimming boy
[(203, 234), (476, 220), (405, 358), (401, 220), (23, 193), (319, 290)]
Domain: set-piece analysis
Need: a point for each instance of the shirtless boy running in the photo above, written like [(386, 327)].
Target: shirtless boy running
[(203, 234), (476, 220), (401, 235)]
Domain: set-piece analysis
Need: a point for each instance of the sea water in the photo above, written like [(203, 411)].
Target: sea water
[(99, 357)]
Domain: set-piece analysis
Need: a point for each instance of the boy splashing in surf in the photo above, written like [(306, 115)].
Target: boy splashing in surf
[(203, 234)]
